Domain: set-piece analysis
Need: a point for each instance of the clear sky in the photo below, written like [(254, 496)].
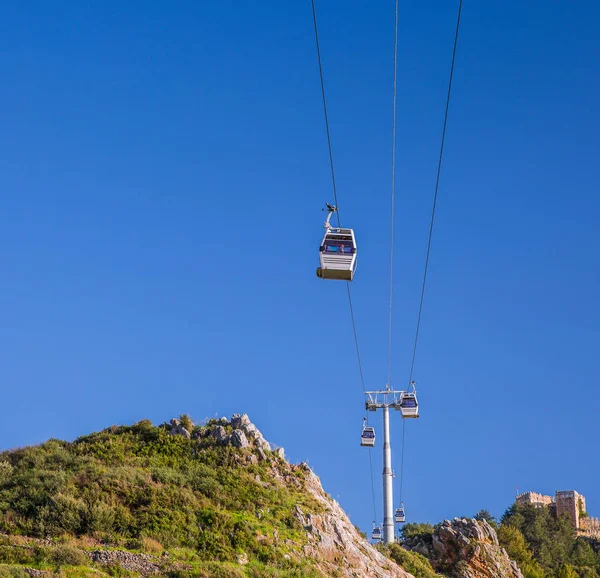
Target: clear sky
[(162, 172)]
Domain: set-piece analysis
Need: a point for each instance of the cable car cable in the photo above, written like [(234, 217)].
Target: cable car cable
[(435, 195), (360, 369), (402, 458), (372, 486), (314, 12), (389, 378), (325, 110)]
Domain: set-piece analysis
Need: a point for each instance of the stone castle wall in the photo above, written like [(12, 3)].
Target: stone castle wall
[(589, 527), (570, 503), (535, 499)]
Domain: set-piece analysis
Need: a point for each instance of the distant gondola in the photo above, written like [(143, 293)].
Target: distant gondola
[(376, 534), (400, 517), (367, 437)]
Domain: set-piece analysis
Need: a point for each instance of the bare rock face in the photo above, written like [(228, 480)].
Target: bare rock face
[(254, 434), (335, 544), (465, 548)]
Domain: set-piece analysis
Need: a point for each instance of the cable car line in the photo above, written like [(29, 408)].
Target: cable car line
[(372, 486), (389, 376), (360, 369), (402, 459), (435, 195), (314, 12), (325, 109)]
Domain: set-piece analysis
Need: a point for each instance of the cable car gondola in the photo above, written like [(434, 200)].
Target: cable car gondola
[(400, 517), (409, 406), (337, 252), (376, 534), (367, 437)]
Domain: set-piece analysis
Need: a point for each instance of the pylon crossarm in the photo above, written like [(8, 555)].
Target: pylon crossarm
[(379, 399)]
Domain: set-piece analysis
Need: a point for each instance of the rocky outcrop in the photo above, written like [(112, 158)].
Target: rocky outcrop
[(178, 429), (252, 432), (465, 548), (141, 564), (239, 439), (245, 434)]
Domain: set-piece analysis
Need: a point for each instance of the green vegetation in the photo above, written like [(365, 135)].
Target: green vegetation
[(485, 515), (544, 546), (141, 489), (413, 529), (412, 562)]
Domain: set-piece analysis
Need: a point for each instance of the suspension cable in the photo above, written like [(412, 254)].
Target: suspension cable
[(334, 185), (362, 381), (372, 487), (437, 183), (435, 195), (389, 374), (325, 110), (402, 458)]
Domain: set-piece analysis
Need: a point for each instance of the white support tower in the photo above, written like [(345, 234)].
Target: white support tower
[(386, 399)]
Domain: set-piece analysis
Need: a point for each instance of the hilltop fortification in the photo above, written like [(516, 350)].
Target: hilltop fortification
[(565, 503)]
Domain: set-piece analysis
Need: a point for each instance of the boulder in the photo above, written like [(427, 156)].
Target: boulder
[(239, 439), (219, 433), (178, 429)]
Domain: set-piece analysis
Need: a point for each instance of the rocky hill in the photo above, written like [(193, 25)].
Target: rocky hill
[(212, 501), (175, 500)]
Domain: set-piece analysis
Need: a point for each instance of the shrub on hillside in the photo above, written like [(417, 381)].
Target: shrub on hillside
[(412, 562), (414, 529), (66, 555)]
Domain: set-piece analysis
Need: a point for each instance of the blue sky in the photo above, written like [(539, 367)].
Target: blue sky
[(162, 173)]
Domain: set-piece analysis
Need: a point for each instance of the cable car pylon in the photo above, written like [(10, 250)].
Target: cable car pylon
[(406, 403)]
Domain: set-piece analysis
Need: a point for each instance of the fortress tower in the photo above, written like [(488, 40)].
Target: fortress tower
[(571, 503)]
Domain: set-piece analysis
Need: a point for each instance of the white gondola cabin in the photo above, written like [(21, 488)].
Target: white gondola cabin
[(399, 516), (367, 437), (409, 406), (376, 534), (337, 253)]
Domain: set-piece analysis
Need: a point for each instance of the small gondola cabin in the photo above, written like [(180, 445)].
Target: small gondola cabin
[(337, 255)]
